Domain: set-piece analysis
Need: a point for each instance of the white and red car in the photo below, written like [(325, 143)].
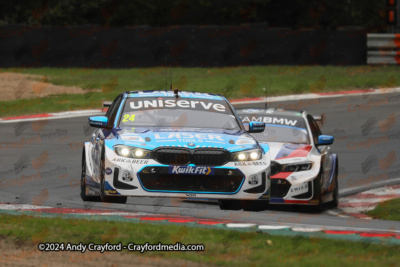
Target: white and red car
[(304, 171)]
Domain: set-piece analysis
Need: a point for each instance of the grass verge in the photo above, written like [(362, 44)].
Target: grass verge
[(387, 210), (233, 82), (222, 246)]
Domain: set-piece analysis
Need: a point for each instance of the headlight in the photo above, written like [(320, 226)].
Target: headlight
[(297, 167), (132, 152), (139, 153), (124, 151), (246, 155)]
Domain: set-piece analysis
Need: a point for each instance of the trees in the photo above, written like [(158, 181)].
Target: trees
[(318, 14)]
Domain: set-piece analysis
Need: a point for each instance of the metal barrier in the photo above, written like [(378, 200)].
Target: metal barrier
[(383, 49)]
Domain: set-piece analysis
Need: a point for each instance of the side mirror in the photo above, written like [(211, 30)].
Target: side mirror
[(256, 127), (325, 140), (98, 121)]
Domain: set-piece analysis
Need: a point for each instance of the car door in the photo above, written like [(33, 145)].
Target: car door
[(326, 155)]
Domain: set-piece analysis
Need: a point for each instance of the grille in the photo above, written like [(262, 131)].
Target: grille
[(279, 187), (172, 156), (198, 157), (191, 183), (163, 179), (210, 157)]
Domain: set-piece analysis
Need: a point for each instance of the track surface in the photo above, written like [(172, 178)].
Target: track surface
[(44, 168)]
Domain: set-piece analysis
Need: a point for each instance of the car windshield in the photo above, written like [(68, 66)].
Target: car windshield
[(181, 113), (279, 128), (282, 133)]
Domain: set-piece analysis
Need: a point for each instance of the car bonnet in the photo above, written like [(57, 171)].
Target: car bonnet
[(190, 138)]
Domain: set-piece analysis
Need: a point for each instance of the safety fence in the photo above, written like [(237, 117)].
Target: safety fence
[(383, 49)]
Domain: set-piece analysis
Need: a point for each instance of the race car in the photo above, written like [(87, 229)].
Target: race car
[(304, 171), (174, 144)]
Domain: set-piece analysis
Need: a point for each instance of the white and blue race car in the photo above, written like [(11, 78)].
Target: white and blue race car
[(304, 171), (174, 144)]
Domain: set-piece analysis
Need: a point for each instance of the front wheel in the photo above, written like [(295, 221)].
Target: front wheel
[(318, 196), (335, 201), (84, 197)]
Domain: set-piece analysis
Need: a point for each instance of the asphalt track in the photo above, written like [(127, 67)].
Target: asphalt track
[(40, 162)]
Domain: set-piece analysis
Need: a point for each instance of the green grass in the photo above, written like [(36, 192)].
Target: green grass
[(388, 210), (222, 247), (233, 82)]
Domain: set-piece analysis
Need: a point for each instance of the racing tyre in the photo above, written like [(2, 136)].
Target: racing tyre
[(318, 196), (226, 204), (335, 201), (254, 205), (103, 196), (83, 182)]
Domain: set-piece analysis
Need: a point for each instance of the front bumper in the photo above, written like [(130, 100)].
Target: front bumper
[(284, 191), (148, 178)]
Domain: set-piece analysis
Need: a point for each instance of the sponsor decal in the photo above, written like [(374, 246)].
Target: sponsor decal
[(258, 128), (235, 147), (151, 171), (251, 163), (271, 120), (291, 160), (253, 180), (217, 106), (132, 138), (139, 161), (110, 191), (96, 123), (299, 189), (194, 170), (133, 161), (182, 94), (252, 110), (191, 195), (188, 137), (108, 171), (245, 141), (187, 129), (126, 176)]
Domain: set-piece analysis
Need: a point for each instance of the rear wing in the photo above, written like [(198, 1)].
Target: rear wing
[(320, 119), (106, 104)]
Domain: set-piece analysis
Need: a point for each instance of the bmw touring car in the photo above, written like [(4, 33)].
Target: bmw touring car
[(174, 144), (304, 171)]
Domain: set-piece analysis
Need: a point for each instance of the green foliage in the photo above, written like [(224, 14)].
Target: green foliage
[(388, 210), (315, 14)]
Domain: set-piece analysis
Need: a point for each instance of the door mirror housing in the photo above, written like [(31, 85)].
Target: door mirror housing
[(98, 121), (256, 127), (325, 140)]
